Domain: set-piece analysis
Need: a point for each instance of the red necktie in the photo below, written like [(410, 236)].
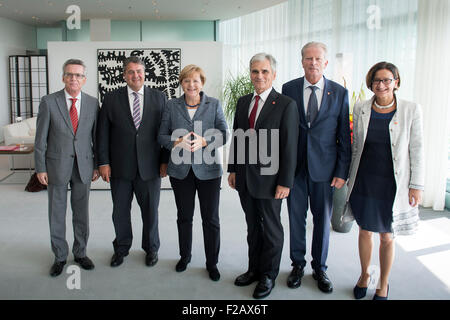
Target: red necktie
[(74, 115), (252, 117)]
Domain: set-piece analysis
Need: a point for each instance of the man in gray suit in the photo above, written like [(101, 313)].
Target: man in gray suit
[(64, 153)]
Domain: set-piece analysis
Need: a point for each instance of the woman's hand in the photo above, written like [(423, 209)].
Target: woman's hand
[(183, 142), (415, 197), (198, 142)]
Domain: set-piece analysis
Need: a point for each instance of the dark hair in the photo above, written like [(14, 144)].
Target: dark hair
[(380, 66), (132, 59), (74, 61)]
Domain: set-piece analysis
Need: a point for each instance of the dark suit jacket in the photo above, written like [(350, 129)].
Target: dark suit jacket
[(127, 150), (279, 114), (325, 147)]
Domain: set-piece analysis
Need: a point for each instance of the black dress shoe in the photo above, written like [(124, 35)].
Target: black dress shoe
[(117, 259), (57, 268), (246, 279), (295, 278), (151, 259), (264, 287), (323, 282), (182, 264), (85, 263), (214, 274)]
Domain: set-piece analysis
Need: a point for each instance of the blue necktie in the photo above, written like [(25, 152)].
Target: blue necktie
[(313, 106)]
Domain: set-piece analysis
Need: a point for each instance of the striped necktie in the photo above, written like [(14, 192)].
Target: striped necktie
[(136, 111), (74, 115)]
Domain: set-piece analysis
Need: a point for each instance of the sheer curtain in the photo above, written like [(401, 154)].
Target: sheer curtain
[(282, 30), (432, 91), (360, 33)]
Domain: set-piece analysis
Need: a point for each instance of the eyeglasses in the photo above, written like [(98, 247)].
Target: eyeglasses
[(76, 75), (385, 81)]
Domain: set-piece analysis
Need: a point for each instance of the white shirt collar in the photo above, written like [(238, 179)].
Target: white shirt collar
[(130, 91), (320, 84), (263, 95), (68, 96)]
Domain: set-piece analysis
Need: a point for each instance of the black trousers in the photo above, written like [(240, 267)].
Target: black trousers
[(265, 234), (208, 195), (147, 195)]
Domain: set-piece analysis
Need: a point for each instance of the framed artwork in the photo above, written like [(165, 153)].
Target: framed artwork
[(162, 69)]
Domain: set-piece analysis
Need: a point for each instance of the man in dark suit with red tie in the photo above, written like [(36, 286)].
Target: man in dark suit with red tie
[(130, 158), (262, 170), (324, 154)]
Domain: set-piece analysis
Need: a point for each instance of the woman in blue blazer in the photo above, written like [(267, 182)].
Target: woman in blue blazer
[(193, 127)]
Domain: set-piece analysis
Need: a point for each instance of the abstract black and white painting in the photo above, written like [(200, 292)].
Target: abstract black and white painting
[(162, 69)]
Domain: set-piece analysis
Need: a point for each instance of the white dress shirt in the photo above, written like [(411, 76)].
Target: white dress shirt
[(307, 92), (263, 97), (131, 99), (77, 103)]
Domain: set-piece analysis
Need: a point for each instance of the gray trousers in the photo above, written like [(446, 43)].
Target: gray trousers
[(57, 207)]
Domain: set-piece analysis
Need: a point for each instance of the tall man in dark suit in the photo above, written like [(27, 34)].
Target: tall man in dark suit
[(130, 158), (324, 154), (64, 153), (262, 170)]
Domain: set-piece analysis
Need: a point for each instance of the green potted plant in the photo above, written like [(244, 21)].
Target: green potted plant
[(234, 88), (340, 195)]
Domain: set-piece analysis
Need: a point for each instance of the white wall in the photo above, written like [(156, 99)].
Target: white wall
[(15, 39), (207, 55)]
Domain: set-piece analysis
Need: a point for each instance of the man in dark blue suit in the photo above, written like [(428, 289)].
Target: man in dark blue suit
[(323, 160)]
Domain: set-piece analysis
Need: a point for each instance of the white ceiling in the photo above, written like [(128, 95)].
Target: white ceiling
[(50, 12)]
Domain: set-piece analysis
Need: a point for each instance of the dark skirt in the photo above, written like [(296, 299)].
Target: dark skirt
[(374, 190)]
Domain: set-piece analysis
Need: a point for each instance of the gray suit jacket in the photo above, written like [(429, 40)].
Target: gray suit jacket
[(56, 146), (209, 122)]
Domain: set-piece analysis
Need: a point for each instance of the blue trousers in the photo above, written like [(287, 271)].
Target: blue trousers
[(320, 196)]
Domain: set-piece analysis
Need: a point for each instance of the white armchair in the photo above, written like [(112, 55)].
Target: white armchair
[(20, 133)]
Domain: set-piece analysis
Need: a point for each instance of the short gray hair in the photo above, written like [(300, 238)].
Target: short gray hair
[(263, 56), (315, 44), (74, 61), (132, 59)]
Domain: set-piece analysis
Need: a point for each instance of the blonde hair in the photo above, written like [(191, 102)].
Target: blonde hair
[(189, 70), (315, 44)]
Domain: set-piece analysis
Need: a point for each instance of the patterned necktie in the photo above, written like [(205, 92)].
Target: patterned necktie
[(252, 117), (313, 106), (136, 111), (74, 115)]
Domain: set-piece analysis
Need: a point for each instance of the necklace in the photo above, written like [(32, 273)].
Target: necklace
[(194, 106), (384, 107)]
